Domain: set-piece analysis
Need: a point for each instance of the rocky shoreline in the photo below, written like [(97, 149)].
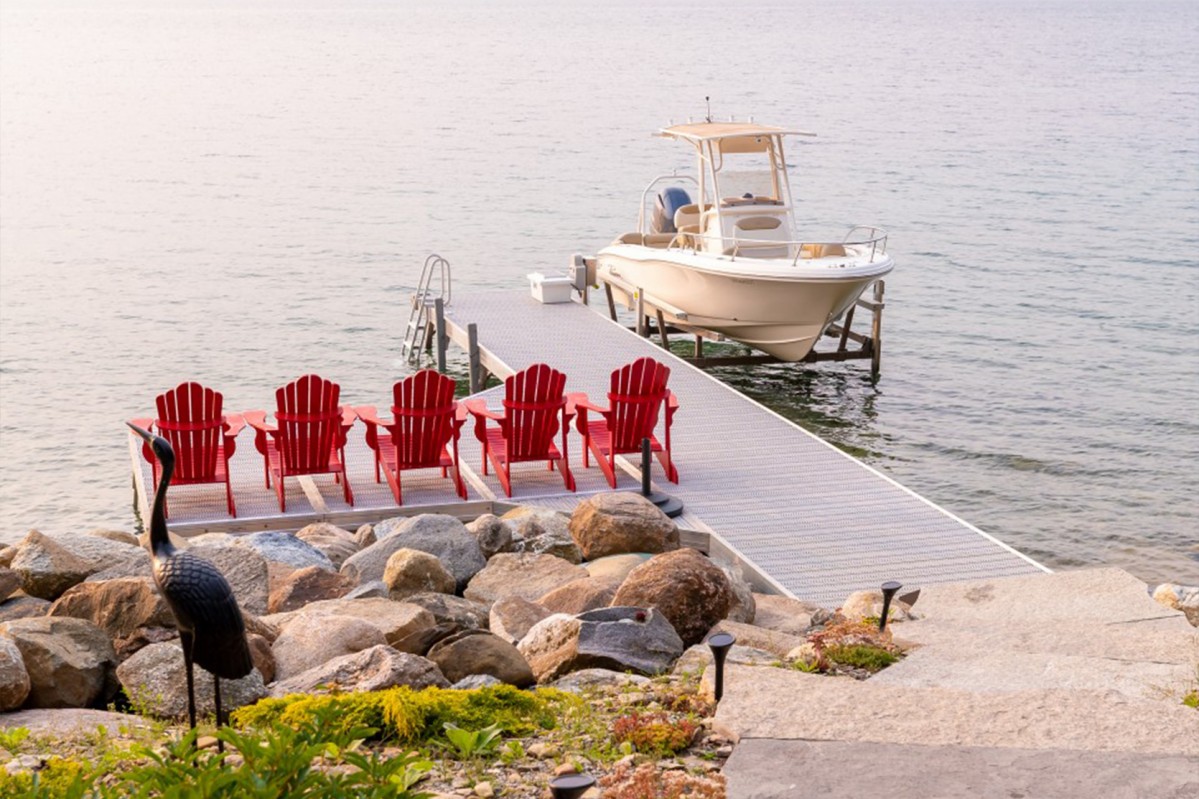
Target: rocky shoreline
[(602, 603)]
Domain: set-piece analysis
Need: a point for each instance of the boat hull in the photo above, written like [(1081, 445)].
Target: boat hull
[(775, 307)]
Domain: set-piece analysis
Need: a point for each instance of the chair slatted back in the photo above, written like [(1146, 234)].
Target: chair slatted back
[(424, 415), (309, 421), (189, 416), (638, 392), (533, 403)]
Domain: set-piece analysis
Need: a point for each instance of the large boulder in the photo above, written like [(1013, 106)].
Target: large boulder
[(372, 589), (310, 641), (23, 607), (243, 566), (868, 604), (411, 571), (616, 567), (492, 535), (542, 532), (1180, 597), (285, 548), (580, 596), (478, 652), (14, 678), (10, 582), (513, 616), (70, 661), (690, 591), (119, 607), (407, 627), (780, 644), (439, 535), (120, 536), (372, 669), (262, 657), (611, 524), (337, 544), (50, 565), (451, 614), (142, 637), (743, 607), (47, 568), (786, 615), (616, 638), (307, 585), (525, 575), (155, 678)]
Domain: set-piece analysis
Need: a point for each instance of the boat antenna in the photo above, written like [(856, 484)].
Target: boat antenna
[(708, 100)]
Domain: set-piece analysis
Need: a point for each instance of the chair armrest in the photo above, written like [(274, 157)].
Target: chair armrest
[(369, 415), (580, 400), (257, 420), (460, 412), (479, 408), (348, 416), (672, 401), (233, 424), (144, 424)]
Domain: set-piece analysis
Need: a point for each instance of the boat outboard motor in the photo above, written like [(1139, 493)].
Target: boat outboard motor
[(669, 201)]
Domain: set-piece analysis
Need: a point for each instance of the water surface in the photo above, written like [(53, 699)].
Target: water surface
[(240, 196)]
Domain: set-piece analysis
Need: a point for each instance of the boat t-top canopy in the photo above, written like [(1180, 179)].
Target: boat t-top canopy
[(702, 132)]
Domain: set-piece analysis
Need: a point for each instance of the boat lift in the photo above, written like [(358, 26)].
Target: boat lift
[(655, 316)]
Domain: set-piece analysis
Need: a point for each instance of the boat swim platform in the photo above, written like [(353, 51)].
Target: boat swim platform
[(801, 517)]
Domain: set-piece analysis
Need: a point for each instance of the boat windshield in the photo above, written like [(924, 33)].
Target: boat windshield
[(743, 174)]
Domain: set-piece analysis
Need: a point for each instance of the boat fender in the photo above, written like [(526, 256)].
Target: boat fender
[(669, 200)]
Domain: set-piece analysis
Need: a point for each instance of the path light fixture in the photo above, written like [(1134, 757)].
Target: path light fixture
[(571, 786), (889, 589), (671, 506), (720, 645)]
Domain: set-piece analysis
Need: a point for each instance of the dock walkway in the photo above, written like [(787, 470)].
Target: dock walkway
[(801, 516), (816, 522)]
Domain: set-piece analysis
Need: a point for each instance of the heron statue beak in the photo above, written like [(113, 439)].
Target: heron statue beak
[(145, 434)]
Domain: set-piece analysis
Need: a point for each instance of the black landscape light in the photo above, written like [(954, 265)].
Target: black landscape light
[(720, 645), (571, 786), (889, 589), (669, 505)]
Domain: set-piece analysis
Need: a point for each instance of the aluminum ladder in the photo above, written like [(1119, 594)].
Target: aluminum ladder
[(420, 330)]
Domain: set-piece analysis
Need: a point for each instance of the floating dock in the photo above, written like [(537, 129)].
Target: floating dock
[(800, 516)]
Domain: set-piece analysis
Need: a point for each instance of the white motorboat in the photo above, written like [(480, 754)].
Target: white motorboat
[(729, 259)]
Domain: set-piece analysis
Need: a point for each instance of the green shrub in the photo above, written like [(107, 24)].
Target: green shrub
[(861, 656), (1192, 699), (410, 716)]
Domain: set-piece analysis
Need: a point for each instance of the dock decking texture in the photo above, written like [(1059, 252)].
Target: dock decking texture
[(805, 518)]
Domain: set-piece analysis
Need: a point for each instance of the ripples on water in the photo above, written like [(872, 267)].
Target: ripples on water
[(240, 196)]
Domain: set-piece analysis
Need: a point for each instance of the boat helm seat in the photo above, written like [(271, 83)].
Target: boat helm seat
[(688, 216), (657, 240)]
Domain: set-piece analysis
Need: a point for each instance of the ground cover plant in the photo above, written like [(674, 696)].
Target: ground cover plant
[(395, 744)]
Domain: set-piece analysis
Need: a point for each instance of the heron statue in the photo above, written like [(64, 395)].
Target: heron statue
[(210, 625)]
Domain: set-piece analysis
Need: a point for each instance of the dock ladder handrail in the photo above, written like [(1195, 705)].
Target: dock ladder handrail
[(420, 322)]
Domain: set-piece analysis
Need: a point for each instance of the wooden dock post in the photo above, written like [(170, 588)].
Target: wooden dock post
[(443, 340), (876, 330), (476, 367)]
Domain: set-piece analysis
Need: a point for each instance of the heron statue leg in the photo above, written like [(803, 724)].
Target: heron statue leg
[(216, 698), (188, 640)]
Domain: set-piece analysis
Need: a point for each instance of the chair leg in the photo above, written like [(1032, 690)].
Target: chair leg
[(503, 471), (345, 485), (281, 492), (229, 496), (459, 486)]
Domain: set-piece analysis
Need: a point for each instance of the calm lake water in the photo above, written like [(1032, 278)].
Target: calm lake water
[(241, 196)]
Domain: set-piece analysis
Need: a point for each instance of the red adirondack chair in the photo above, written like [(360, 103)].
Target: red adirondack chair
[(189, 416), (638, 393), (308, 437), (534, 410), (425, 420)]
